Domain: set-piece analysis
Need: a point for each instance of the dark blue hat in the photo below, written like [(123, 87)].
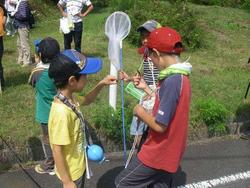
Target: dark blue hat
[(86, 65)]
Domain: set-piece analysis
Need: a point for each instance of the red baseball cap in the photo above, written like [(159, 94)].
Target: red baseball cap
[(165, 39), (142, 49)]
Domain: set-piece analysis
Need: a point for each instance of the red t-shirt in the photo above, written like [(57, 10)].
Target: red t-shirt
[(164, 150)]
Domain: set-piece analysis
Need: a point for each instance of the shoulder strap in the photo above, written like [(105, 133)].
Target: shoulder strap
[(34, 76), (84, 128), (86, 134)]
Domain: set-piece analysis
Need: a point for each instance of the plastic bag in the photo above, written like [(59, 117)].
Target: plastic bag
[(66, 25)]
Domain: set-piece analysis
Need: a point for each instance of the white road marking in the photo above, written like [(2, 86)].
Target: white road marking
[(219, 181)]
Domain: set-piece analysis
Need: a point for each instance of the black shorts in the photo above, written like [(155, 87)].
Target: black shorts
[(138, 175)]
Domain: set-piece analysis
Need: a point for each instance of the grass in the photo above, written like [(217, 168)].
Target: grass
[(219, 70)]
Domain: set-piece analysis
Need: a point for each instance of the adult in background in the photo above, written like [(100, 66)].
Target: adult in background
[(21, 23), (10, 6), (73, 9), (3, 15)]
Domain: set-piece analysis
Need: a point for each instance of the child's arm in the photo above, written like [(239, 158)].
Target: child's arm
[(61, 167), (148, 119), (61, 8), (89, 9), (34, 76), (140, 83), (123, 76), (91, 96)]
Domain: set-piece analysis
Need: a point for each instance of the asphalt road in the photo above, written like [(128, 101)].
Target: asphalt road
[(221, 163)]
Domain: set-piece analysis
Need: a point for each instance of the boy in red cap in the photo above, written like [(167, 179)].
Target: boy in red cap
[(163, 149)]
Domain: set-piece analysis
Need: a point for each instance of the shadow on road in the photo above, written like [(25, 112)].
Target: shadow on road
[(179, 178), (108, 178), (35, 146)]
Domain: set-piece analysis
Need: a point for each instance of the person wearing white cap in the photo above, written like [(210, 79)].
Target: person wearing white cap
[(150, 74)]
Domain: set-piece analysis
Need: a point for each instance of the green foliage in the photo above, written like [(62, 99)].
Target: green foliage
[(109, 121), (214, 115), (176, 15), (246, 5), (217, 129), (224, 3), (121, 5), (100, 3)]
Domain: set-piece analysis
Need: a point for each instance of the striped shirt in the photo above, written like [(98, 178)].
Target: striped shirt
[(22, 14), (150, 72), (73, 7)]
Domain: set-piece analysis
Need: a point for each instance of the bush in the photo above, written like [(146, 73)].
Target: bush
[(246, 5), (100, 3), (109, 121), (226, 3), (176, 15), (214, 115), (121, 5)]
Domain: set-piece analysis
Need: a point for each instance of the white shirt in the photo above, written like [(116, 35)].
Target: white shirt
[(10, 5), (73, 7)]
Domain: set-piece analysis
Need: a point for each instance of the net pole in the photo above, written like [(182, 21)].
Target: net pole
[(123, 113), (113, 88)]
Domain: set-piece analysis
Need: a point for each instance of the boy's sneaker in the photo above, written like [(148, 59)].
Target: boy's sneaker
[(45, 167), (41, 170)]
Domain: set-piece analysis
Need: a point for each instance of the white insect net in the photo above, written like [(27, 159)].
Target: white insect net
[(117, 27)]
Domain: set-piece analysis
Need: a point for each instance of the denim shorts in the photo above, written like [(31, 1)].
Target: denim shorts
[(136, 129)]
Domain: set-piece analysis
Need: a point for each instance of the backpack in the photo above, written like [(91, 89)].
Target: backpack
[(31, 19)]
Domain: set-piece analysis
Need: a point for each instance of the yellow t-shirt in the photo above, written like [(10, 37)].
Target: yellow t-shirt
[(65, 130)]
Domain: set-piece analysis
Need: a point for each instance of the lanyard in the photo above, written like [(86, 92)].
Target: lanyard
[(84, 128)]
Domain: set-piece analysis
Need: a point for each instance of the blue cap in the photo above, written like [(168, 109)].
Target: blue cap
[(87, 65), (36, 44)]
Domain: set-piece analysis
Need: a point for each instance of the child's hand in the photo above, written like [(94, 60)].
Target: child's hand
[(137, 109), (64, 14), (82, 15), (69, 185), (123, 76), (139, 82), (109, 80)]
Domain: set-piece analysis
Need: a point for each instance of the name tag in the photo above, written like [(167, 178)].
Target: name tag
[(160, 112)]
